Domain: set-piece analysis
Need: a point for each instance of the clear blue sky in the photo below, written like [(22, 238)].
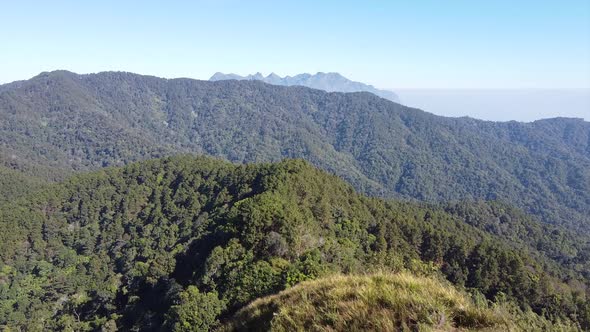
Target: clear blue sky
[(391, 44)]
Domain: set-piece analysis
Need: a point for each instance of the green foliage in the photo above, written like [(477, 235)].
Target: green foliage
[(195, 311), (14, 184), (129, 247), (61, 121)]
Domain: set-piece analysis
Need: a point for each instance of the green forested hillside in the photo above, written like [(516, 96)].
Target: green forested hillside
[(14, 184), (160, 243), (63, 121)]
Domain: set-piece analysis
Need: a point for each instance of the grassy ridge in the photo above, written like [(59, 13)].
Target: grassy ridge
[(379, 302)]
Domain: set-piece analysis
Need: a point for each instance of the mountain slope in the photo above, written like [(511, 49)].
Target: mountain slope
[(152, 244), (14, 184), (380, 302), (71, 122), (330, 82)]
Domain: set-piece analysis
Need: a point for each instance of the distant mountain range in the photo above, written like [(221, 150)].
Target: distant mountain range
[(60, 122), (331, 82)]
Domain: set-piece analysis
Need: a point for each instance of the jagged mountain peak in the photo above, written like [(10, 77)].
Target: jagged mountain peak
[(327, 81)]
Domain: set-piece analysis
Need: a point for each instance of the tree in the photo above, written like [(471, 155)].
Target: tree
[(195, 311)]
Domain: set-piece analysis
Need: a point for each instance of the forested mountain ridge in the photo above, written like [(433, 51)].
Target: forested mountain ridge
[(64, 122), (164, 243)]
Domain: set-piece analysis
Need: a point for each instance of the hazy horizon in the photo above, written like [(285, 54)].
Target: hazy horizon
[(425, 45), (524, 105), (491, 104), (406, 44)]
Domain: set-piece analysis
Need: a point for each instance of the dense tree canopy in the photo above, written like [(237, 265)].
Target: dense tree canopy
[(14, 184), (137, 247)]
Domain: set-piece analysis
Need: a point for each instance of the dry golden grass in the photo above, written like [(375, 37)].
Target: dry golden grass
[(378, 302)]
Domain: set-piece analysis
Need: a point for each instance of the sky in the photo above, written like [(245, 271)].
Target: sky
[(501, 104), (454, 44)]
